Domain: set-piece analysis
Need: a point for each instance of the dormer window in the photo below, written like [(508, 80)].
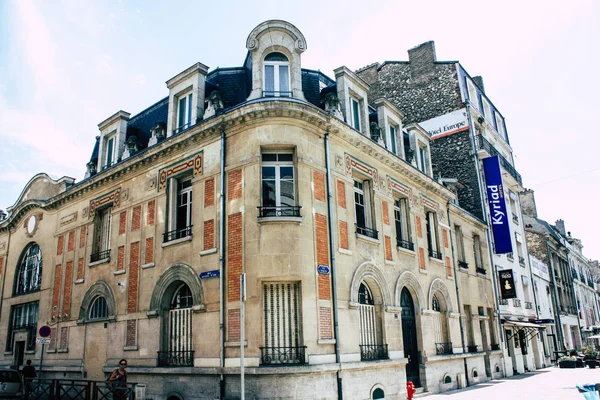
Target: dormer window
[(423, 159), (276, 75), (184, 113), (355, 113), (110, 155)]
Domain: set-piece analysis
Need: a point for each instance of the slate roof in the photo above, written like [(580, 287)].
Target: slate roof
[(141, 124)]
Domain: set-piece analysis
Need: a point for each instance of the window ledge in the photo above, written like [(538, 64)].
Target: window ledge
[(130, 348), (406, 251), (177, 241), (103, 261), (119, 272), (236, 344), (367, 239), (423, 271), (275, 220), (325, 341), (51, 351), (209, 251), (345, 251), (436, 260), (8, 353), (29, 351), (78, 281), (148, 265), (63, 350), (390, 262)]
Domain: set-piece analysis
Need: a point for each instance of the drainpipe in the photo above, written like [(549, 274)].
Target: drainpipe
[(222, 271), (4, 269), (460, 321), (558, 324), (486, 219), (336, 328)]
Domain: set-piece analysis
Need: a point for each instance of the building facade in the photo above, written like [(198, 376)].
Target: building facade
[(467, 128), (361, 271), (542, 288)]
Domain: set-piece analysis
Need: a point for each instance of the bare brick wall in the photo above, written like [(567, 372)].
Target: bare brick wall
[(325, 325), (134, 263), (234, 256), (130, 338), (319, 184), (71, 241), (68, 288), (122, 222), (136, 218), (341, 194), (149, 251), (209, 234), (60, 245), (234, 184), (56, 292), (209, 192), (233, 325), (151, 212)]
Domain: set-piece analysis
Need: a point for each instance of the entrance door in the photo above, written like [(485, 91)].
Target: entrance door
[(19, 354), (409, 333)]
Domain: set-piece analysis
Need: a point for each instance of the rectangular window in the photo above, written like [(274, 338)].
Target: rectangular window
[(277, 79), (23, 317), (184, 117), (393, 133), (180, 208), (363, 215), (110, 151), (460, 247), (469, 328), (278, 186), (500, 126), (355, 112), (477, 253), (432, 235), (282, 323), (402, 219), (101, 240), (423, 165), (473, 94)]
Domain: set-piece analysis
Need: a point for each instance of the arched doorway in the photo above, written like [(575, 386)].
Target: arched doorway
[(177, 336), (409, 334)]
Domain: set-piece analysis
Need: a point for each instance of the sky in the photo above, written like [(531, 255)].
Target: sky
[(66, 65)]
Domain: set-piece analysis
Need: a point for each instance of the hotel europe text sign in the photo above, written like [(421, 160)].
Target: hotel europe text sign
[(498, 215), (507, 284)]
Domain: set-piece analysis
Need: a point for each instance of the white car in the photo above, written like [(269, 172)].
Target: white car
[(11, 385)]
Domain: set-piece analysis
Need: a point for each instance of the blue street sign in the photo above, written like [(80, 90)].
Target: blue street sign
[(209, 274), (323, 269)]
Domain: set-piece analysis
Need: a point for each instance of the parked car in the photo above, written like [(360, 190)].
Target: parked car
[(11, 384)]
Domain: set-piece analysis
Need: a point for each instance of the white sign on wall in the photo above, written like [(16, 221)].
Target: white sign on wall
[(447, 124), (539, 268)]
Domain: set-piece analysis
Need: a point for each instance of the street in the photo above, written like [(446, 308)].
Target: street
[(548, 384)]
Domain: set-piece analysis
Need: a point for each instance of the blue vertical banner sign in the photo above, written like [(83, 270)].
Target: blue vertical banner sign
[(498, 214)]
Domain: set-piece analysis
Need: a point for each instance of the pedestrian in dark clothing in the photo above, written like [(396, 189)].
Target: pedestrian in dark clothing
[(118, 381), (28, 373)]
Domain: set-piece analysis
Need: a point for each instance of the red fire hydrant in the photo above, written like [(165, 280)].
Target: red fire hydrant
[(410, 390)]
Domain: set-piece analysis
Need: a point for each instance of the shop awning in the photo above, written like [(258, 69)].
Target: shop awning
[(530, 329)]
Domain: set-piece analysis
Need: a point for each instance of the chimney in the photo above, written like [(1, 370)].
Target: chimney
[(421, 60), (560, 226), (479, 82), (528, 203)]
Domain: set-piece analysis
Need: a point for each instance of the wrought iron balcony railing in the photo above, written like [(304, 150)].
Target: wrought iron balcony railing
[(176, 358), (277, 93), (101, 255), (435, 254), (463, 264), (279, 211), (480, 270), (283, 355), (484, 144), (495, 346), (405, 244), (503, 302), (517, 302), (528, 305), (472, 349), (183, 128), (363, 230), (371, 352), (177, 234), (443, 348)]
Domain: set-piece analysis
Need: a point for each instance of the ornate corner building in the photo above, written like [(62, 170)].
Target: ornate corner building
[(362, 271)]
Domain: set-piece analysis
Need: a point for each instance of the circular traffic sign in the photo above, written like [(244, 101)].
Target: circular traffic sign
[(45, 331)]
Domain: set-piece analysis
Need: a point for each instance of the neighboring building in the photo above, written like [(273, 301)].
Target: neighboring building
[(354, 256), (466, 128), (543, 298), (546, 244)]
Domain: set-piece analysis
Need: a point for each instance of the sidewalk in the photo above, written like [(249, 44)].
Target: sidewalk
[(548, 384)]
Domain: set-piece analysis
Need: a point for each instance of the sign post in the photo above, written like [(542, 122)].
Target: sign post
[(242, 332), (44, 339)]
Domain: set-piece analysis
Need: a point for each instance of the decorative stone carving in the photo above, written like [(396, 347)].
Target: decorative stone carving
[(214, 104), (332, 105), (67, 219), (409, 280), (368, 271), (159, 132), (339, 161), (437, 286)]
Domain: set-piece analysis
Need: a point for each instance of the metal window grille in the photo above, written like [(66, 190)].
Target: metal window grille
[(23, 317), (99, 308), (102, 230), (29, 277)]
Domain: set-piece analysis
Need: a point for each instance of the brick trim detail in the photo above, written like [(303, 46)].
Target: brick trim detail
[(134, 264), (234, 184), (419, 231), (121, 258), (122, 222), (386, 212), (209, 192), (56, 290), (80, 268), (192, 163), (82, 235), (448, 267), (322, 255), (209, 234), (131, 334), (325, 325), (1, 265), (60, 246), (136, 218), (68, 288), (319, 185), (233, 325), (64, 338), (71, 241), (343, 235), (234, 256), (421, 258), (341, 194), (149, 251), (388, 248), (151, 212), (445, 237)]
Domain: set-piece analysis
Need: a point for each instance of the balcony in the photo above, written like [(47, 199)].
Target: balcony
[(462, 264), (372, 352), (177, 234), (435, 254), (176, 358), (517, 302), (484, 144), (510, 256), (405, 244), (472, 349), (522, 261), (295, 355), (480, 270), (101, 255), (363, 230), (443, 348), (503, 302), (277, 93), (528, 305), (515, 218), (279, 211)]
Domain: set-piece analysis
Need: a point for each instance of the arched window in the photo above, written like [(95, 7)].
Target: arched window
[(98, 309), (182, 298), (378, 394), (371, 347), (29, 276), (276, 75), (440, 325), (177, 329)]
